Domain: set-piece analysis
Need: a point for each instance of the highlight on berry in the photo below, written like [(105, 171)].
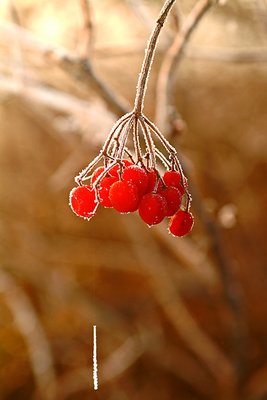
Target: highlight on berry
[(131, 174)]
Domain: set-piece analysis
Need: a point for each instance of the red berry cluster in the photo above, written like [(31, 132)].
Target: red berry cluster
[(128, 187)]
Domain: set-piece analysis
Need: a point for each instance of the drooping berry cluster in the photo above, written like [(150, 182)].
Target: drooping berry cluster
[(128, 182)]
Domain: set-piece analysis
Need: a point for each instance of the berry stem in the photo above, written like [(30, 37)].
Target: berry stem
[(150, 143), (149, 56), (170, 149), (83, 175), (173, 154), (162, 158), (124, 139), (115, 141), (136, 141)]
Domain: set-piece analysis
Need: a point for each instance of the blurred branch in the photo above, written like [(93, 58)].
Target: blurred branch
[(17, 52), (237, 56), (83, 71), (49, 97), (74, 66), (165, 103), (86, 41), (183, 366), (30, 328), (189, 255), (208, 53), (165, 86), (166, 294), (231, 287), (256, 385), (140, 10)]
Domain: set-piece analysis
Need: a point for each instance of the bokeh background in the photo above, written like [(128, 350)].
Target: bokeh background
[(176, 318)]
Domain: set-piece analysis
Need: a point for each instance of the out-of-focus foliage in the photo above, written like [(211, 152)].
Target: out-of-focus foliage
[(164, 307)]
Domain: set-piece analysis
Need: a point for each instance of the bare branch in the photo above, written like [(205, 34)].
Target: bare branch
[(149, 55)]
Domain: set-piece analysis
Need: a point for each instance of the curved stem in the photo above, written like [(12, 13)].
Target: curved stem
[(149, 55), (149, 142)]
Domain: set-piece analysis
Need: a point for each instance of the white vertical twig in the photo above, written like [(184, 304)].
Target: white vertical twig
[(95, 377)]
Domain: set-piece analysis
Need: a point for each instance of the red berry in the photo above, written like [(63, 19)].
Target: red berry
[(152, 208), (173, 197), (114, 171), (152, 177), (83, 201), (137, 176), (181, 223), (124, 196), (103, 190), (96, 174), (172, 178)]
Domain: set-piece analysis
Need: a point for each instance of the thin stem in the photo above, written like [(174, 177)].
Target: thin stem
[(118, 157), (136, 141), (129, 154), (124, 139), (104, 173), (162, 158), (170, 149), (149, 55), (83, 174), (115, 140), (149, 142), (173, 154), (113, 130)]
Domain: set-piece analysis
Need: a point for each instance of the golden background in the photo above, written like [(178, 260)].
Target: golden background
[(176, 318)]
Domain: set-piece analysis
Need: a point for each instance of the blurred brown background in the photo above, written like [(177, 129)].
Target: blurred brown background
[(176, 318)]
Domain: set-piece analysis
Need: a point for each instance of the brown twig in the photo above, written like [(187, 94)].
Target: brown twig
[(148, 59), (165, 87)]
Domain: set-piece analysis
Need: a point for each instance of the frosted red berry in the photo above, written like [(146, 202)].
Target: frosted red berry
[(83, 201), (152, 208), (103, 190), (173, 197), (172, 178), (124, 196), (114, 171), (96, 174), (181, 223), (137, 176)]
